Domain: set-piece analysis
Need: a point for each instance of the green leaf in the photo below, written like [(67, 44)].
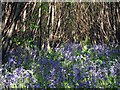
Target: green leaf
[(19, 43)]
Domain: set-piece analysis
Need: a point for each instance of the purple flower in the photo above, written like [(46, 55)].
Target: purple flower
[(80, 84), (11, 60), (112, 71), (76, 72), (36, 85), (13, 78), (25, 75), (11, 51), (87, 83), (51, 85), (27, 85), (89, 67)]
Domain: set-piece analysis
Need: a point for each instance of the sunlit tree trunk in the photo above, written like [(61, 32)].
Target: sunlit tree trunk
[(0, 35), (24, 18), (117, 23), (39, 29), (9, 28), (49, 27), (56, 34)]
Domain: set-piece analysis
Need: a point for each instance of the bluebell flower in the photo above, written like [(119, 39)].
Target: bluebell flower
[(51, 85), (28, 85), (87, 84), (112, 71), (8, 76), (36, 85), (89, 67), (32, 80), (6, 84), (25, 75), (13, 79), (52, 71), (80, 84), (76, 72), (11, 60)]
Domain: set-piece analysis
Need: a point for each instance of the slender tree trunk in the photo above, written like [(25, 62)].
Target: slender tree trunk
[(6, 39), (49, 27), (39, 29), (0, 34)]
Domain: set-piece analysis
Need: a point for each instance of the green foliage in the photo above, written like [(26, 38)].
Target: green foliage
[(85, 44), (44, 7), (52, 55), (24, 38), (33, 25)]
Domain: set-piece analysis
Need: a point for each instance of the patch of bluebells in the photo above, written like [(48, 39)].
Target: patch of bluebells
[(18, 78), (69, 66)]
